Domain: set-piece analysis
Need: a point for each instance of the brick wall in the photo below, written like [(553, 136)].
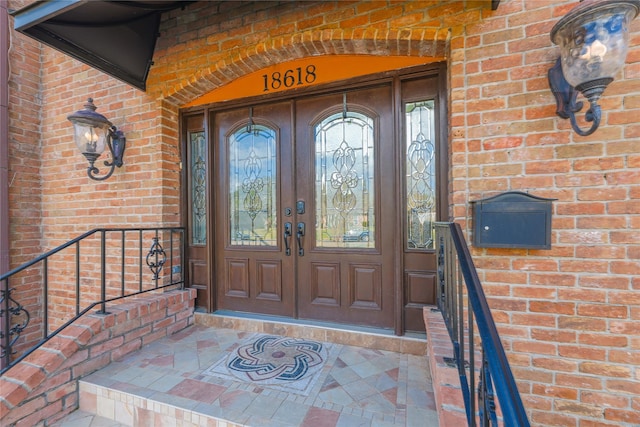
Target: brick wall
[(43, 388), (25, 183), (51, 198), (568, 316)]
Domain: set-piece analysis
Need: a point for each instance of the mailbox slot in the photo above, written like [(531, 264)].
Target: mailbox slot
[(512, 220)]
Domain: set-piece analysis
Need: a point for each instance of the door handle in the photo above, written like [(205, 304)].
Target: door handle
[(287, 235), (299, 235)]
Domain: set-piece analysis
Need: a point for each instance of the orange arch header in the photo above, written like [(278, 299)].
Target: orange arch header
[(306, 72)]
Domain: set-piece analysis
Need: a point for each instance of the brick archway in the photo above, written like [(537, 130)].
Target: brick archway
[(239, 61)]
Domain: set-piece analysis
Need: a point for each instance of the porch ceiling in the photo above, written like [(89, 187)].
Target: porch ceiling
[(116, 37)]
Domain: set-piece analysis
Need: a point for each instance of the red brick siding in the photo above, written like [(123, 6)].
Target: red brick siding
[(564, 314), (560, 311), (25, 180)]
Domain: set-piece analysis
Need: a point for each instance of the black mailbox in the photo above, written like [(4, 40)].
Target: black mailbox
[(512, 220)]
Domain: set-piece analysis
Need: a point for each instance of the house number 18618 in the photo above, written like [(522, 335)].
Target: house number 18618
[(293, 77)]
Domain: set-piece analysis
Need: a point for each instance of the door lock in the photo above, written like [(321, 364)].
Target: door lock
[(300, 206)]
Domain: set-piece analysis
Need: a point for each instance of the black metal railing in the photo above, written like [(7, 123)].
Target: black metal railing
[(458, 282), (42, 297)]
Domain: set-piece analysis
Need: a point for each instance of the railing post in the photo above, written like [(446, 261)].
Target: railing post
[(4, 319), (183, 255), (122, 272), (156, 275), (77, 277), (171, 255), (45, 297), (103, 273), (472, 361), (140, 259)]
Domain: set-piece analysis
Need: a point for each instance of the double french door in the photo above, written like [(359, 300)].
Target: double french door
[(320, 207), (299, 231)]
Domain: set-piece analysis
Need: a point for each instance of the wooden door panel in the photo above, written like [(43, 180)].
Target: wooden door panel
[(269, 280), (421, 288), (365, 286), (237, 278), (254, 190), (347, 271), (199, 280), (325, 284)]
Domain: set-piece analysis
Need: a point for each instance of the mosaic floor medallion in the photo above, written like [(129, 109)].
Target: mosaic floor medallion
[(283, 363)]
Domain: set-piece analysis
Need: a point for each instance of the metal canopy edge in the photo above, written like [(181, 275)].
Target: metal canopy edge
[(39, 11), (115, 37)]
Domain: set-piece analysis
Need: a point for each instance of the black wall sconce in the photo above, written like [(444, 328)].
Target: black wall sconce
[(593, 40), (92, 132)]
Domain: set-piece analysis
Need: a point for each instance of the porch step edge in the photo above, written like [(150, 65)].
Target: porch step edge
[(131, 410), (446, 381), (379, 340)]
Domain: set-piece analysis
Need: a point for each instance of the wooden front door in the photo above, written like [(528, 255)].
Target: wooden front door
[(321, 206), (299, 220), (346, 180)]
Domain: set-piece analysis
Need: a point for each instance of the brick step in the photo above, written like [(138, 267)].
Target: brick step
[(129, 409), (43, 388)]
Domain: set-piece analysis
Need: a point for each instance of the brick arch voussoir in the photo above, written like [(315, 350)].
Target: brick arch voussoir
[(427, 42)]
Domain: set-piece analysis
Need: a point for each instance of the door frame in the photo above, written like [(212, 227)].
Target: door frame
[(434, 70)]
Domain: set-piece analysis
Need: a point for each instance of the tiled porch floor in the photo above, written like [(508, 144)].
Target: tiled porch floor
[(356, 386)]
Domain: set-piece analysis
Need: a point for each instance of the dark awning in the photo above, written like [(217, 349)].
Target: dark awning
[(117, 37)]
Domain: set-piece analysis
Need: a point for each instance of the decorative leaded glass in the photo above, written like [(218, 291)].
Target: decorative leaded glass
[(252, 186), (198, 188), (421, 176), (344, 181)]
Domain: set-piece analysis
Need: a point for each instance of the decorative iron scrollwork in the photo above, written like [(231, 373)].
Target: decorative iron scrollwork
[(486, 399), (156, 258), (17, 318)]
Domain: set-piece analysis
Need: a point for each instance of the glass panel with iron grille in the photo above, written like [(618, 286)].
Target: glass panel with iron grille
[(344, 181), (198, 167), (252, 186), (421, 174)]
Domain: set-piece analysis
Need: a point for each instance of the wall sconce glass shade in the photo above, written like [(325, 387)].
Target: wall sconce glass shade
[(92, 133), (593, 40)]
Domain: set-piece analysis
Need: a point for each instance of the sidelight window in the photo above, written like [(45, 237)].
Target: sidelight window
[(198, 193), (420, 174)]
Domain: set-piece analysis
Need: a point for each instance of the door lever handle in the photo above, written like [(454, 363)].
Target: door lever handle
[(299, 235), (287, 235)]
